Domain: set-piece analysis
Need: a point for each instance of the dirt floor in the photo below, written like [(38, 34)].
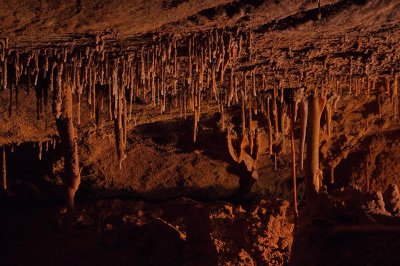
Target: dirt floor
[(175, 232)]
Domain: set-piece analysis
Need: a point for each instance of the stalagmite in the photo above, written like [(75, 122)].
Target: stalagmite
[(249, 161)]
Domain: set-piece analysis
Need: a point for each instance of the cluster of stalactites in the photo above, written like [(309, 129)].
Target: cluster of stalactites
[(182, 73), (151, 74), (210, 56), (173, 73), (39, 146)]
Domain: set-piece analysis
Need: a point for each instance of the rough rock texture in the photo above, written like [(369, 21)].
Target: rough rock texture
[(392, 199), (177, 232), (347, 225), (261, 235), (156, 85)]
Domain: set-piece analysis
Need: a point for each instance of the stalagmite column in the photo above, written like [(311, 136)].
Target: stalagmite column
[(316, 106), (120, 114), (62, 110)]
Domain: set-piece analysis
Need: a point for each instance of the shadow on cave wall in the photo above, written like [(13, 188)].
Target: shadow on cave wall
[(29, 174)]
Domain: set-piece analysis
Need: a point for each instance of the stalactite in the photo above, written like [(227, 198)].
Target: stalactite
[(314, 174), (298, 98), (252, 128), (4, 168), (40, 147), (395, 96), (293, 149), (232, 88), (319, 10), (387, 85), (373, 85), (240, 44), (189, 80), (253, 75), (235, 86), (332, 173), (283, 116), (156, 68), (93, 92), (304, 118), (275, 112), (5, 75), (350, 75), (222, 117), (214, 82), (195, 124), (328, 118), (270, 141), (250, 44), (381, 98), (243, 111)]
